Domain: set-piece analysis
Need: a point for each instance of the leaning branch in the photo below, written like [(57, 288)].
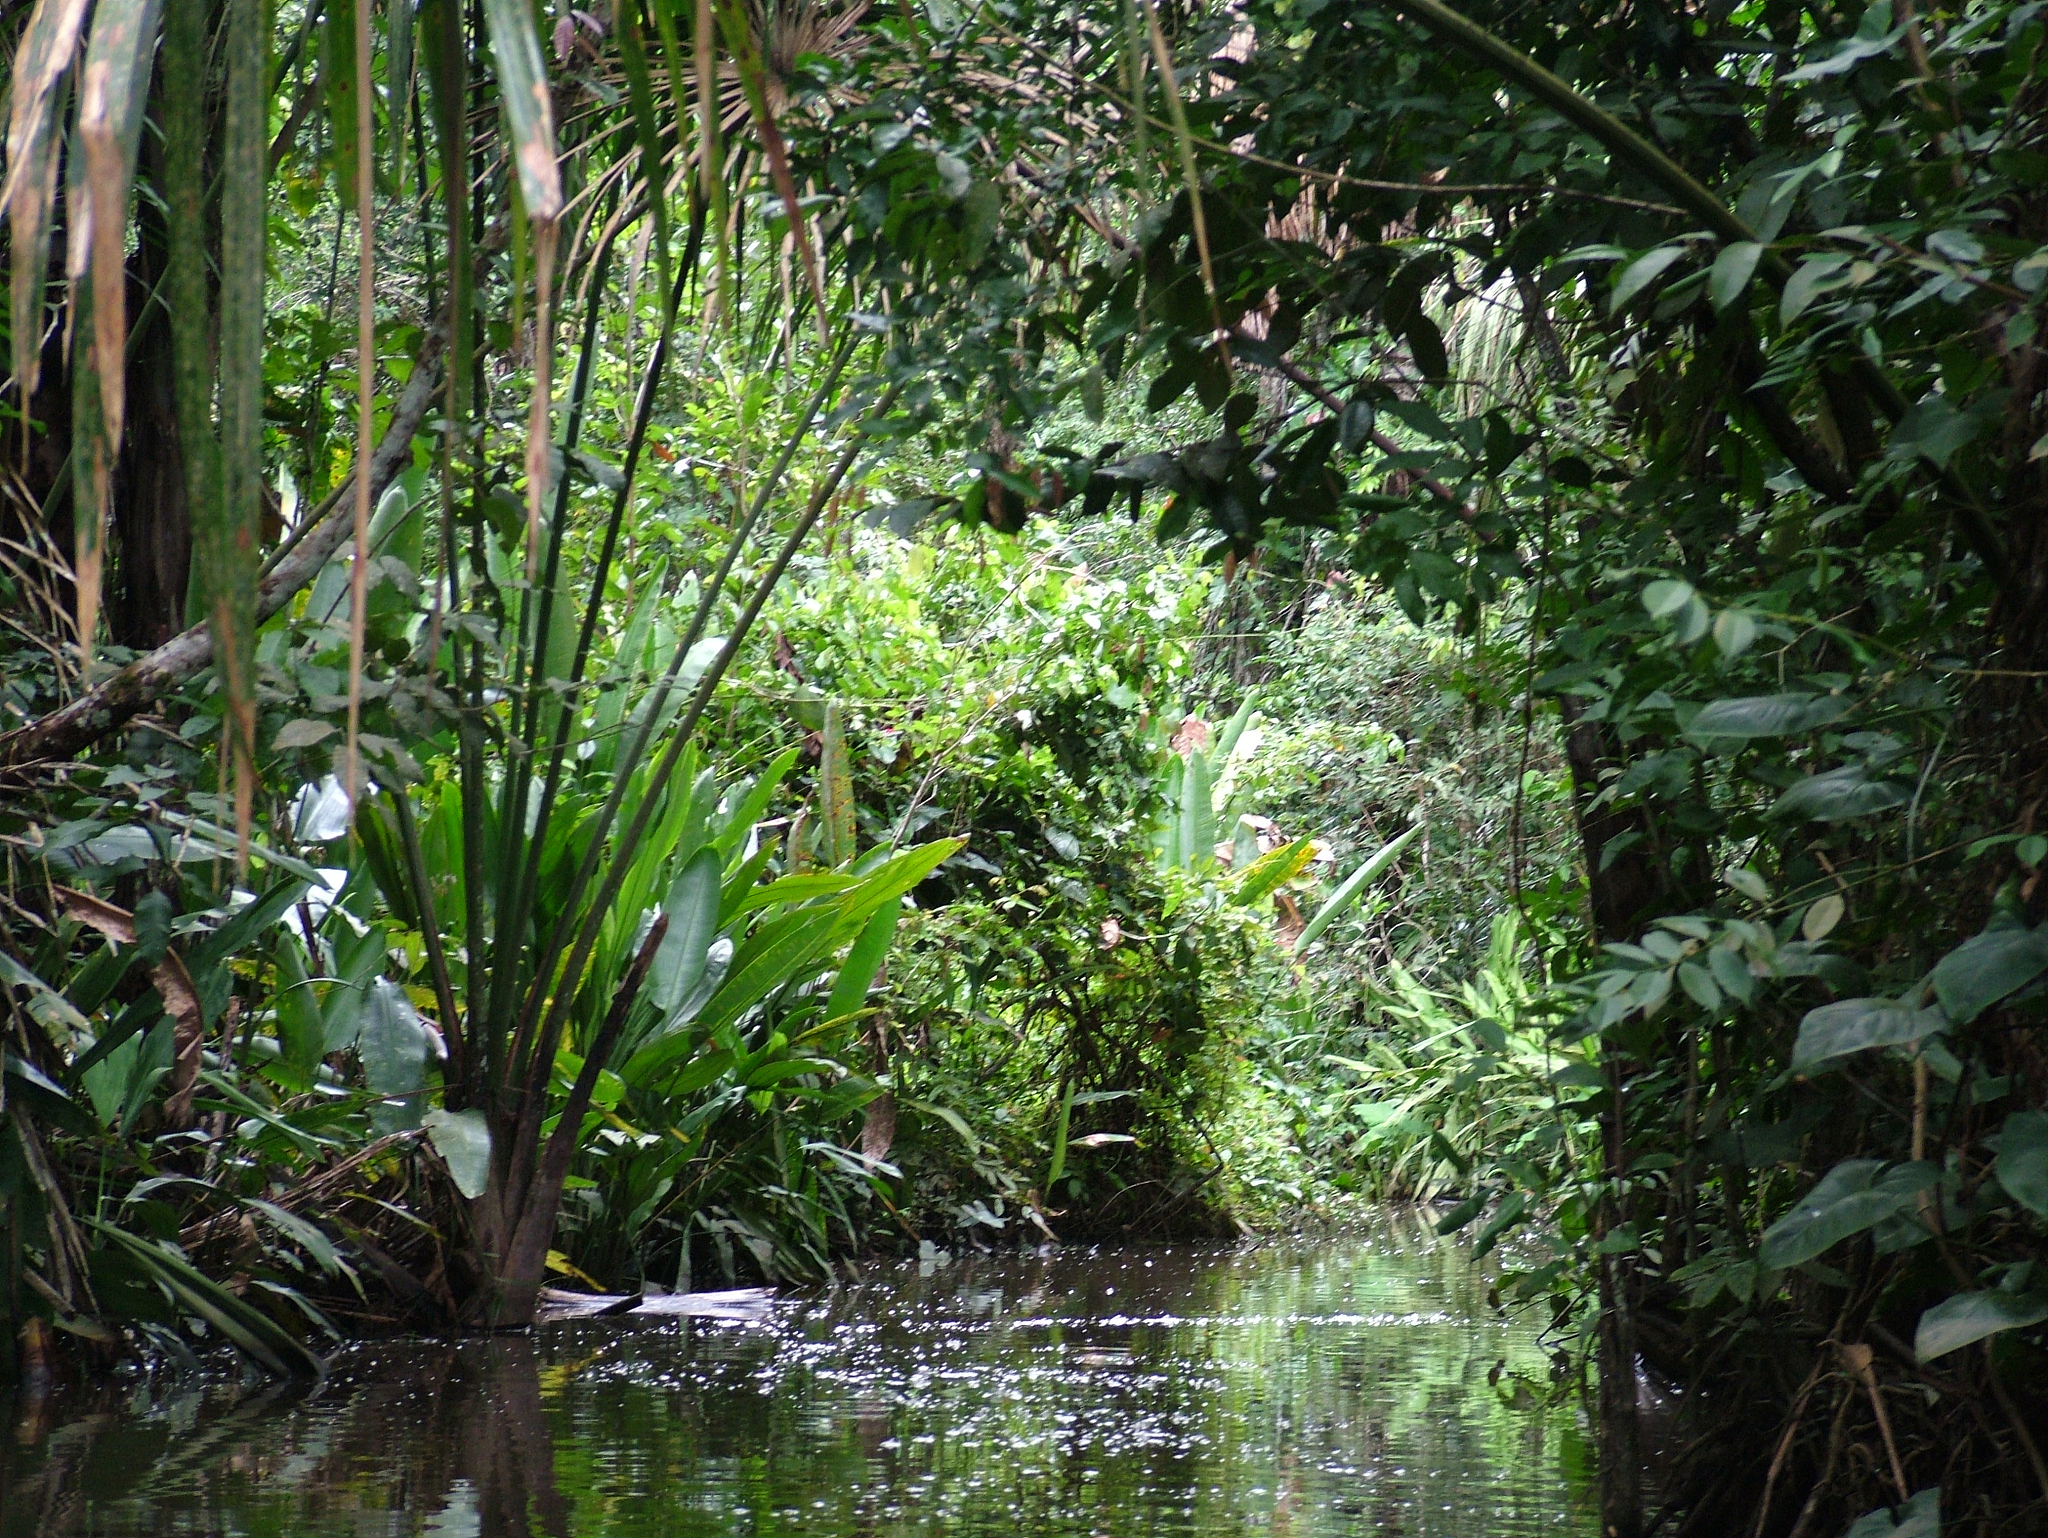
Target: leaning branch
[(64, 733)]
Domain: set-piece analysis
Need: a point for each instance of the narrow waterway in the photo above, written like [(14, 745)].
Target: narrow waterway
[(1352, 1386)]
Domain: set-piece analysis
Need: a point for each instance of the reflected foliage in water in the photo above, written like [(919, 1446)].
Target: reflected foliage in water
[(1354, 1387)]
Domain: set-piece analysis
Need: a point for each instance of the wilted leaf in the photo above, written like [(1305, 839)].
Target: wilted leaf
[(302, 733)]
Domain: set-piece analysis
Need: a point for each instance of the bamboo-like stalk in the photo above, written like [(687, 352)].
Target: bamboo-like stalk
[(366, 397)]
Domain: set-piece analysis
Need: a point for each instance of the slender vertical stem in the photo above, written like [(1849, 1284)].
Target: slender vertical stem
[(366, 398)]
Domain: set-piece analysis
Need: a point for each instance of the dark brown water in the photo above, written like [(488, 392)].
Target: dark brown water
[(1313, 1390)]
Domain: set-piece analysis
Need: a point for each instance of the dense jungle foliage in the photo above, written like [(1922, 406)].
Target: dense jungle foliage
[(656, 642)]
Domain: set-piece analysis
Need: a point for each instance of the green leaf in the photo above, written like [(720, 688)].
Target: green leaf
[(1987, 968), (1272, 870), (1664, 599), (1640, 274), (302, 734), (252, 1331), (1823, 916), (1969, 1317), (1839, 795), (692, 906), (1732, 973), (393, 1045), (1765, 715), (1699, 985), (1506, 1216), (1734, 632), (2023, 1160), (1855, 1195), (1934, 430), (857, 973), (1461, 1214), (1918, 1518), (1731, 273), (1854, 1025), (1354, 885), (463, 1140), (1816, 275)]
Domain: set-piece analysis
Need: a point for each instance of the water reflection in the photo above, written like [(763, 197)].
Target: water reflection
[(1352, 1387)]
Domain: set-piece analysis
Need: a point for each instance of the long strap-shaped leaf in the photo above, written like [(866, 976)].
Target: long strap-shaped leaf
[(529, 109), (365, 190), (115, 84), (47, 46)]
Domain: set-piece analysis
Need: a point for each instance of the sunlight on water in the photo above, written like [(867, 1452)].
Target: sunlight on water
[(1314, 1390)]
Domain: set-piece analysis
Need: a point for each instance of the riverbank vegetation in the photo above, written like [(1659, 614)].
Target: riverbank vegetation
[(661, 642)]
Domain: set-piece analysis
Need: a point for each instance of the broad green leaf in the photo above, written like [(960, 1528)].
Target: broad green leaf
[(1506, 1216), (1665, 598), (1765, 715), (1918, 1518), (301, 1028), (1855, 1195), (393, 1045), (1823, 916), (1987, 968), (1839, 795), (1731, 273), (1854, 1025), (1747, 882), (1732, 973), (2023, 1160), (1641, 273), (1734, 632), (1969, 1317), (1934, 430), (692, 906), (1699, 985), (463, 1140)]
